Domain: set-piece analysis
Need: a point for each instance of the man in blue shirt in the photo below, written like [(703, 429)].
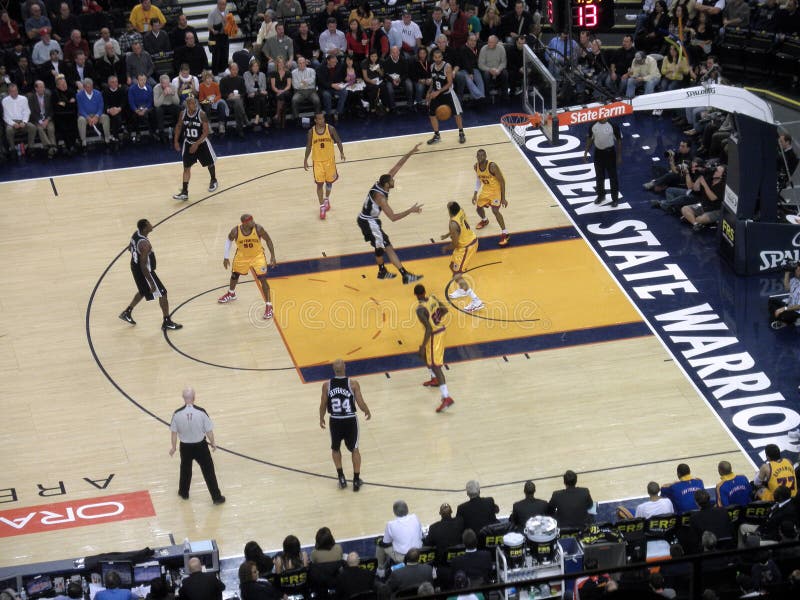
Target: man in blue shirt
[(91, 112), (682, 491), (732, 489), (113, 591), (140, 101)]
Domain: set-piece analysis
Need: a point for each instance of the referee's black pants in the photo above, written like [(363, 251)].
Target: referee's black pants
[(200, 453), (605, 164)]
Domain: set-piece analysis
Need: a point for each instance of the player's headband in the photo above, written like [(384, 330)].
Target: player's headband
[(248, 220)]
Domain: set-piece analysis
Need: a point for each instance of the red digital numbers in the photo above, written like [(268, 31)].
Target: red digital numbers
[(587, 16)]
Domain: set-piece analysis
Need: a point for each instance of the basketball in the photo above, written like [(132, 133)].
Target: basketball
[(443, 112)]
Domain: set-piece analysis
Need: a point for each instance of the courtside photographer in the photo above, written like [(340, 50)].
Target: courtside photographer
[(783, 310), (672, 178), (687, 191), (710, 188)]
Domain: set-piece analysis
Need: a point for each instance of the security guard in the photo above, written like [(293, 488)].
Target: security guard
[(193, 426)]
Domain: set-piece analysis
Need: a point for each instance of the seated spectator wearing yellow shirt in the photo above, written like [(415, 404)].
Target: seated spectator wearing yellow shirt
[(141, 15)]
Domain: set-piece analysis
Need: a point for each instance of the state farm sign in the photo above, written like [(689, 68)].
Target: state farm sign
[(76, 513), (595, 113)]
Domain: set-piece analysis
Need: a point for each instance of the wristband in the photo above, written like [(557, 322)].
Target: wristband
[(477, 185), (227, 249)]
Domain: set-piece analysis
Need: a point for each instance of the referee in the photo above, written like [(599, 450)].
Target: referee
[(193, 426), (340, 396), (607, 142)]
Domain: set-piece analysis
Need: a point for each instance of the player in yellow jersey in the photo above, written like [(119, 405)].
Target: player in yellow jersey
[(490, 190), (321, 138), (249, 257), (775, 472), (464, 244), (430, 312)]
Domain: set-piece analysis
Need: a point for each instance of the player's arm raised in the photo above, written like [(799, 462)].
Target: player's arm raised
[(395, 169), (323, 405), (178, 129), (308, 148), (393, 216), (354, 385), (262, 233), (337, 140), (228, 243), (495, 170)]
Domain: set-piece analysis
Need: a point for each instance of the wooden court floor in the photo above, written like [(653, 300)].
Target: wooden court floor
[(618, 412)]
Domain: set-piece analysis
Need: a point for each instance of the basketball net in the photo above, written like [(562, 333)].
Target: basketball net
[(518, 123)]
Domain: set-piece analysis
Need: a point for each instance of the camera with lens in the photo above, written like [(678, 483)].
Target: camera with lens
[(669, 154), (789, 265)]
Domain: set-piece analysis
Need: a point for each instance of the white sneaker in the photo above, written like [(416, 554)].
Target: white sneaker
[(459, 293), (473, 306)]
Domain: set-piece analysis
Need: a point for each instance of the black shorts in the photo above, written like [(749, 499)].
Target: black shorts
[(142, 285), (373, 232), (344, 430), (445, 100), (205, 154)]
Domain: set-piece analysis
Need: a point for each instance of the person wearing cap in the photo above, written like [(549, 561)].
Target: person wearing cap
[(443, 534), (332, 41), (607, 141), (41, 49), (643, 72)]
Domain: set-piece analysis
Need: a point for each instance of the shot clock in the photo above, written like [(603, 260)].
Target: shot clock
[(591, 15)]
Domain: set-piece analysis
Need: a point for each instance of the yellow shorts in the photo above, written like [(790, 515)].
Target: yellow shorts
[(461, 258), (258, 264), (325, 171), (485, 200), (434, 350)]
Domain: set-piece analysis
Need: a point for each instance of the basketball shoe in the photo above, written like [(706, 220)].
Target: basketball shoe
[(180, 196), (410, 278), (386, 274), (461, 137), (504, 237), (228, 296), (170, 324), (357, 483), (458, 293), (327, 204), (446, 403), (432, 382), (473, 306), (435, 139), (268, 311), (482, 223), (322, 211), (342, 482), (213, 185), (126, 316)]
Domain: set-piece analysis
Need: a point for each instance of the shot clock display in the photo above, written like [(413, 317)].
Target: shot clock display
[(592, 15)]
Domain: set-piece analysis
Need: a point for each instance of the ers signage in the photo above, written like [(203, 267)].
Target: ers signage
[(75, 513)]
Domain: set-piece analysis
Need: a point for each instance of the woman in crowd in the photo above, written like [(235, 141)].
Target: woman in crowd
[(372, 73), (254, 553), (255, 82), (363, 14), (673, 71), (292, 556), (325, 547), (211, 100), (357, 41), (251, 587), (280, 81), (420, 74), (490, 24)]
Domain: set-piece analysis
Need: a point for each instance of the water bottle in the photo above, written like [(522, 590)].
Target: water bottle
[(512, 594), (23, 594), (187, 547)]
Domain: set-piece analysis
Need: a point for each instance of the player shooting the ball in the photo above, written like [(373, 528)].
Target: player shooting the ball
[(430, 312)]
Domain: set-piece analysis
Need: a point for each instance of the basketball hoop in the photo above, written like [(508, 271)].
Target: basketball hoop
[(517, 123)]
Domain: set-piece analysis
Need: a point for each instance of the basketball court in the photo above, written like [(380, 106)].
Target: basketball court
[(558, 372)]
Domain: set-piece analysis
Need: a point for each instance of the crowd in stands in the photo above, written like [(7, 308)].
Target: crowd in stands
[(453, 553), (71, 70)]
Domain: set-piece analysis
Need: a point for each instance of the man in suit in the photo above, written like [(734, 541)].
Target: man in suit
[(352, 579), (784, 509), (476, 564), (477, 512), (570, 506), (710, 518), (199, 585), (444, 533), (526, 508), (411, 575), (41, 103)]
